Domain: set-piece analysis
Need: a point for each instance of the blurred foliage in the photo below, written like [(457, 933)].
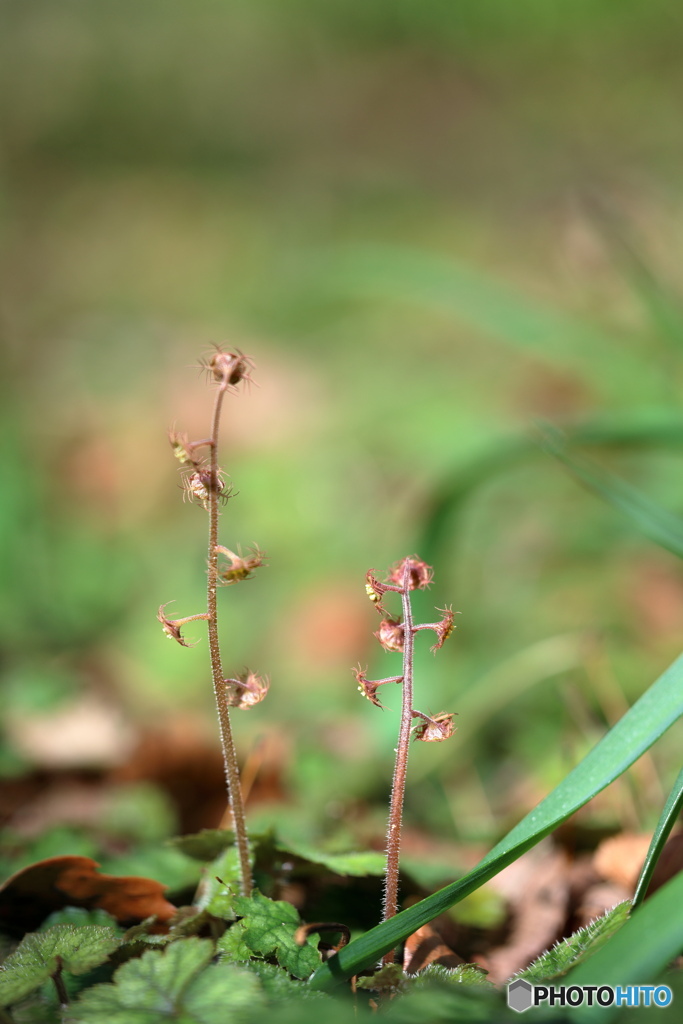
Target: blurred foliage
[(431, 225)]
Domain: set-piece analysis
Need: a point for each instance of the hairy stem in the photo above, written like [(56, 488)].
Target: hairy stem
[(401, 765), (232, 773)]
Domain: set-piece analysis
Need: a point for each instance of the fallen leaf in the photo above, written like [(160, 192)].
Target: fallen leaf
[(30, 895), (425, 946), (620, 858)]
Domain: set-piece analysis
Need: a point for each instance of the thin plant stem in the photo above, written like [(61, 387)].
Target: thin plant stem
[(401, 764), (232, 773)]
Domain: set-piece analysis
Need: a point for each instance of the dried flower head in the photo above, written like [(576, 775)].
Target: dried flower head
[(199, 485), (246, 690), (390, 634), (435, 729), (239, 567), (172, 627), (229, 368), (444, 628), (420, 574)]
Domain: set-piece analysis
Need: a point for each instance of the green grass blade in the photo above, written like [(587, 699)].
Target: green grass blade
[(638, 952), (650, 716), (472, 296), (657, 523), (649, 430), (668, 818)]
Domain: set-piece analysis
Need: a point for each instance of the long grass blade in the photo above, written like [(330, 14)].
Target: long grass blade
[(667, 820)]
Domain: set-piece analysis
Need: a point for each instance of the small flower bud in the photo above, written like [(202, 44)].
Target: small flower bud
[(390, 634), (420, 574), (240, 568), (246, 690), (433, 730), (172, 627), (229, 367)]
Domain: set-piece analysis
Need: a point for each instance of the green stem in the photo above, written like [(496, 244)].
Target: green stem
[(401, 764), (232, 773)]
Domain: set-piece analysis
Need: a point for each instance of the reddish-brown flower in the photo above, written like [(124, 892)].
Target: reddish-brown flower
[(246, 690), (172, 627), (420, 574), (390, 634), (368, 687), (435, 729)]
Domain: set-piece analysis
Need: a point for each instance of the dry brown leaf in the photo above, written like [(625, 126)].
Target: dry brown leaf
[(538, 888), (620, 858), (425, 946), (30, 895)]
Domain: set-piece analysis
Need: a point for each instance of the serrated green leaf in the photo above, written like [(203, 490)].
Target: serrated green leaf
[(356, 863), (389, 980), (279, 987), (176, 985), (270, 929), (463, 974), (232, 945), (222, 883), (79, 917), (634, 733), (578, 947), (40, 954), (667, 820), (205, 845)]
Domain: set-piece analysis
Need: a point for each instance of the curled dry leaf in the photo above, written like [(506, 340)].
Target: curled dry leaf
[(30, 895), (424, 947)]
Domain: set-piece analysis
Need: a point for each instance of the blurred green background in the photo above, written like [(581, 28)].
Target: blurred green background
[(432, 226)]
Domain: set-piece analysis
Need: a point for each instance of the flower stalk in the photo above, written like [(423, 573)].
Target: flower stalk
[(203, 482), (398, 634)]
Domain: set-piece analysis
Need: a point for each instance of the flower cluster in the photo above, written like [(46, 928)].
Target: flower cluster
[(406, 575)]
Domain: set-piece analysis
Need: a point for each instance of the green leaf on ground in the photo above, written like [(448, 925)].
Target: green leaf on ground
[(270, 929), (232, 945), (79, 917), (174, 985), (577, 948), (205, 845), (40, 954), (222, 884), (357, 863)]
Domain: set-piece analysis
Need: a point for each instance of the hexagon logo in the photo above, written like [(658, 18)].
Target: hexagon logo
[(519, 995)]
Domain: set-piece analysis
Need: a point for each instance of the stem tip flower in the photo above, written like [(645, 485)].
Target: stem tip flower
[(420, 574)]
